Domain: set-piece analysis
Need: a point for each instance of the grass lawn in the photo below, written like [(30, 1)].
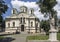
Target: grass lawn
[(58, 36), (1, 37), (38, 37), (41, 37)]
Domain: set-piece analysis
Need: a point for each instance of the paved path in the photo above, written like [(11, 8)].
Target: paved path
[(15, 37), (18, 37)]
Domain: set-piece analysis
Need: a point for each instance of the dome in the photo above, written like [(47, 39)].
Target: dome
[(23, 9)]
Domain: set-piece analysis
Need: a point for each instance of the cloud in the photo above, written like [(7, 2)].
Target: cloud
[(57, 8), (17, 4)]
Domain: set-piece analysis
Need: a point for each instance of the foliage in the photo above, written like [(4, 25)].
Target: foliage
[(1, 18), (3, 26), (56, 21), (47, 8), (45, 25), (59, 21), (3, 9)]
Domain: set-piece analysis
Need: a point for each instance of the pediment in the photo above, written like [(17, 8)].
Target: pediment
[(32, 16), (23, 15)]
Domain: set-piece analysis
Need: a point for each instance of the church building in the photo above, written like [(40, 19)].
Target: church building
[(23, 21)]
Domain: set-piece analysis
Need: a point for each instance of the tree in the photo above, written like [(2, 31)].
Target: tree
[(3, 9), (56, 21), (45, 25), (47, 8), (1, 18)]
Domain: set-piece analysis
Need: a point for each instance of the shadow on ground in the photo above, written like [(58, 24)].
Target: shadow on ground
[(9, 34), (5, 34), (7, 39)]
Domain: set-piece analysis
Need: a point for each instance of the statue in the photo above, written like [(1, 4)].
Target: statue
[(52, 25)]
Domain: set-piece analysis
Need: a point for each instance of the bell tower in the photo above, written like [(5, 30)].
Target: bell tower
[(14, 11), (31, 11), (23, 9)]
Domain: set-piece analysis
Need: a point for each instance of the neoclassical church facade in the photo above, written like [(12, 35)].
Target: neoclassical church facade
[(24, 22)]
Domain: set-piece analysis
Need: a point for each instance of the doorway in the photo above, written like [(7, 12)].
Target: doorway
[(22, 27)]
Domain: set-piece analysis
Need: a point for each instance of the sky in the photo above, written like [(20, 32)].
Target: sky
[(29, 4)]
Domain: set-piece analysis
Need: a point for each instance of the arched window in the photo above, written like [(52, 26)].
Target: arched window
[(31, 24), (13, 11), (8, 24), (23, 20), (23, 9), (36, 25), (13, 24), (31, 11)]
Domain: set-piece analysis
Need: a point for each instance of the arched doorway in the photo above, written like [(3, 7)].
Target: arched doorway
[(22, 27)]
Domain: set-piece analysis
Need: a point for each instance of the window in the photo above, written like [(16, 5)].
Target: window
[(23, 20), (13, 24), (36, 25), (31, 24), (8, 24), (23, 9), (13, 11), (31, 12)]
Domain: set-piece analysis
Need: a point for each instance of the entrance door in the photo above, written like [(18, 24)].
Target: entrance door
[(22, 27)]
